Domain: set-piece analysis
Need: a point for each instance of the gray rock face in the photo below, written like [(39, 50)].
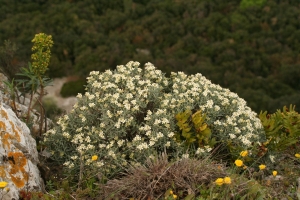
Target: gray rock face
[(18, 154)]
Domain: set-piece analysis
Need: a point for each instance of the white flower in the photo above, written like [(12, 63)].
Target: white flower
[(157, 122), (83, 108), (200, 151), (99, 164), (109, 114), (168, 144), (66, 135), (171, 134), (272, 158), (137, 138), (217, 108), (142, 146), (91, 105), (232, 136), (185, 156)]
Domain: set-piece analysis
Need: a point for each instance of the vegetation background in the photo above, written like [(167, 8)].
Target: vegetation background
[(251, 47)]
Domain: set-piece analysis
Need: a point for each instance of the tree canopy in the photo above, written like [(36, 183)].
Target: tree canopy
[(251, 47)]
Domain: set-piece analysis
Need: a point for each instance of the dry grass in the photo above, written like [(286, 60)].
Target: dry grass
[(157, 176)]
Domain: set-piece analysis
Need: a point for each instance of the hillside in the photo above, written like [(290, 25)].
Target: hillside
[(254, 51)]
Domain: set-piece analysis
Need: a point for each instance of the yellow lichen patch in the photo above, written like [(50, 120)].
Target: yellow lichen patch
[(2, 126), (5, 140), (19, 182), (18, 157), (2, 172), (17, 161), (3, 114), (16, 132), (14, 170)]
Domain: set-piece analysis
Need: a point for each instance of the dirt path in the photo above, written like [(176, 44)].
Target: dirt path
[(54, 93)]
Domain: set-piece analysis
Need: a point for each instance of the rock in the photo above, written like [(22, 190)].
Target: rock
[(18, 153)]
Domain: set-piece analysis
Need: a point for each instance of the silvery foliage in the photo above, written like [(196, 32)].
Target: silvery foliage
[(128, 115)]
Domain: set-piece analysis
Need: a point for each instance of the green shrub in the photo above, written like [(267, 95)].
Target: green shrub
[(282, 130), (251, 3), (72, 88), (128, 115), (194, 130), (51, 109)]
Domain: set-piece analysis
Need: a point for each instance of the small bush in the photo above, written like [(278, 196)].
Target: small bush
[(282, 128), (51, 109), (72, 88), (9, 65), (186, 178), (128, 115), (158, 175)]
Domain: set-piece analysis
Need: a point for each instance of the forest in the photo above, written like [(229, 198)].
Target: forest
[(251, 48)]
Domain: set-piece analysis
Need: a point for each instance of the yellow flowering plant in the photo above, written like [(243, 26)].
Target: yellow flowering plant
[(262, 167), (219, 181), (3, 184), (94, 158), (244, 153), (41, 56), (227, 180), (239, 163), (34, 76)]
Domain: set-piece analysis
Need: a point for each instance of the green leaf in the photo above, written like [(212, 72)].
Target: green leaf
[(189, 197), (206, 133), (184, 116), (186, 134)]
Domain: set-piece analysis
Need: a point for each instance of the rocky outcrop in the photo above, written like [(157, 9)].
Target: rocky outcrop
[(18, 153)]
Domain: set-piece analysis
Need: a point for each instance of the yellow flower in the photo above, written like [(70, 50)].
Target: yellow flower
[(297, 155), (262, 167), (238, 163), (94, 157), (171, 192), (219, 181), (3, 184), (174, 196), (274, 173), (227, 180), (244, 153)]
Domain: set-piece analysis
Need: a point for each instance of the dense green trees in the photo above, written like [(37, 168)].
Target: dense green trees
[(249, 46)]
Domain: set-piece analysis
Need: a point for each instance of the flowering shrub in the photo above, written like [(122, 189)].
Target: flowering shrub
[(128, 115)]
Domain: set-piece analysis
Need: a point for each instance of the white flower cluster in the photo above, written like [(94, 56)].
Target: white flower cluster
[(129, 114)]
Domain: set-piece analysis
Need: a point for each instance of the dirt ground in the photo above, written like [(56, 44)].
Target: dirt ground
[(53, 92)]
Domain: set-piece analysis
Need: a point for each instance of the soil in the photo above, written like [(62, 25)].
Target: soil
[(53, 92)]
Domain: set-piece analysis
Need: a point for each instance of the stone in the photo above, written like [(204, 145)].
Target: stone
[(18, 153)]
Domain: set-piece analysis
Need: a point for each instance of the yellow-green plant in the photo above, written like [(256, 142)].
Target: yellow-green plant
[(41, 56), (35, 80), (282, 128), (193, 129)]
